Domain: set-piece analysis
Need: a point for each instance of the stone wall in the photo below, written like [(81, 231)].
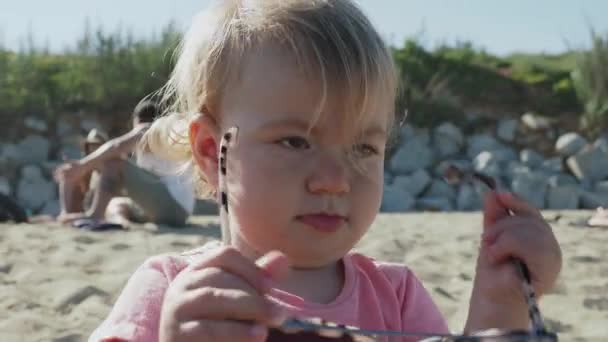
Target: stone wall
[(532, 156), (27, 164)]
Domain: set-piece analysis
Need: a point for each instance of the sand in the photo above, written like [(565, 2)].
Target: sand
[(58, 283)]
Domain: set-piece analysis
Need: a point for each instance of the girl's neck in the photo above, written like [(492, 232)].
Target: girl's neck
[(318, 285)]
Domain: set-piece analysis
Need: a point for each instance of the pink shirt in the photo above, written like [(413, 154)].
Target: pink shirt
[(376, 295)]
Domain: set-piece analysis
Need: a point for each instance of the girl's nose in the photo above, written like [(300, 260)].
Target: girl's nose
[(330, 176)]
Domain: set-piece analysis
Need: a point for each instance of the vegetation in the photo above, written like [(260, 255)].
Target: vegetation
[(590, 79), (110, 72)]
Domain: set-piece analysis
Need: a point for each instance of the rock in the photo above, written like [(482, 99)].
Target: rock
[(10, 155), (462, 164), (553, 165), (569, 144), (69, 152), (406, 132), (506, 129), (50, 208), (601, 186), (388, 177), (591, 164), (505, 154), (5, 186), (531, 186), (481, 142), (440, 189), (434, 204), (88, 124), (63, 128), (468, 198), (413, 184), (531, 158), (592, 200), (423, 135), (601, 143), (535, 122), (448, 140), (563, 197), (33, 149), (561, 180), (396, 200), (33, 191), (411, 156), (35, 124), (488, 163)]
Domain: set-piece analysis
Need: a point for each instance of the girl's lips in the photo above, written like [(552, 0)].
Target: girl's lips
[(326, 223)]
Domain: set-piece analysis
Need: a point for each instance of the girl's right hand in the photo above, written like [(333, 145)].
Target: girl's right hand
[(222, 298)]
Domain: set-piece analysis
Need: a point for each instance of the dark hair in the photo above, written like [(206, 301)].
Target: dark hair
[(145, 111)]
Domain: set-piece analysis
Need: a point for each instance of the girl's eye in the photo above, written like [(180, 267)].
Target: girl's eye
[(295, 143), (365, 150)]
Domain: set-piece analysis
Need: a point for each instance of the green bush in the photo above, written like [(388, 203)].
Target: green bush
[(103, 73), (590, 80)]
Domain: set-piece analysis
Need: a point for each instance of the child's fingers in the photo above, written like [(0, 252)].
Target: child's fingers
[(493, 210), (498, 204), (530, 241), (232, 261), (274, 264), (228, 304), (210, 330), (514, 236), (517, 205)]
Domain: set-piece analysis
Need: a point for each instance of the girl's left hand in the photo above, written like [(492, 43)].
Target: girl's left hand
[(523, 235)]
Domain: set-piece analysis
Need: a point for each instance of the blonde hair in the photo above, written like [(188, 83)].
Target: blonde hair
[(332, 40)]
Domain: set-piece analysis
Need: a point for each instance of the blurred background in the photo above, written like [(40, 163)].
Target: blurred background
[(479, 76)]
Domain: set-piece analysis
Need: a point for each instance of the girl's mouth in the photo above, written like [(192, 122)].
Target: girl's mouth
[(325, 223)]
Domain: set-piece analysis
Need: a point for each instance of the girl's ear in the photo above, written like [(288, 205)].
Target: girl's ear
[(203, 136)]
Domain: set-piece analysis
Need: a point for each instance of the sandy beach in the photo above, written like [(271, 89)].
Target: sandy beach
[(58, 283)]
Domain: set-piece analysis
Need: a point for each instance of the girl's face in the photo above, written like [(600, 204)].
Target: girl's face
[(291, 190)]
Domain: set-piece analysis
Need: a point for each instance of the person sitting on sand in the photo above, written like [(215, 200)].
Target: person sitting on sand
[(75, 194), (150, 195), (283, 110)]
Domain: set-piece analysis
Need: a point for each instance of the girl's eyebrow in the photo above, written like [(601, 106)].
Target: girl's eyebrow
[(301, 125)]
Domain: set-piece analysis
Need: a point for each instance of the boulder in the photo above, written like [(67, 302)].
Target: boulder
[(414, 184), (561, 179), (506, 129), (563, 197), (33, 149), (570, 144), (531, 158), (395, 199), (481, 142), (531, 186), (439, 188), (35, 124), (535, 122), (590, 164), (33, 191), (5, 186), (411, 156), (434, 204), (592, 200), (448, 140), (553, 165), (468, 198)]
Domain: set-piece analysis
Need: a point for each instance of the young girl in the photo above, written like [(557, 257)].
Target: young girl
[(310, 86)]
